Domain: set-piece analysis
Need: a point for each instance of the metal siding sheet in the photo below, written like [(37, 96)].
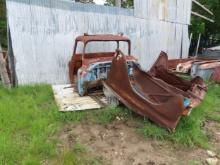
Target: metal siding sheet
[(43, 35)]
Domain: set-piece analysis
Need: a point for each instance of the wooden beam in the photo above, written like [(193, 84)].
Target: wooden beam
[(197, 47), (201, 16), (202, 6), (3, 71)]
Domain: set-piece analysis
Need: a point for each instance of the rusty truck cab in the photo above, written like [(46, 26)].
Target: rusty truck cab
[(84, 59)]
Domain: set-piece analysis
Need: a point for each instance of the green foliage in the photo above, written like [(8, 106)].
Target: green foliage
[(210, 31), (125, 4), (3, 24)]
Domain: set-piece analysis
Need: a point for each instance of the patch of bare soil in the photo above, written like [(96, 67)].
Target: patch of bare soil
[(213, 130), (119, 143)]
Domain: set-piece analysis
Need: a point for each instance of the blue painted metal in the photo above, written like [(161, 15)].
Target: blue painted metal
[(95, 72), (205, 73), (186, 102)]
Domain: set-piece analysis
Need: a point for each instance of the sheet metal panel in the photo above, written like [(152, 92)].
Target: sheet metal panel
[(43, 33), (176, 11)]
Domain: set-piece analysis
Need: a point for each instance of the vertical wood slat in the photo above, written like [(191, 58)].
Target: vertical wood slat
[(3, 71)]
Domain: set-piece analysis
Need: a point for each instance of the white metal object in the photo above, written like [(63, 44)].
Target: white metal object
[(214, 48)]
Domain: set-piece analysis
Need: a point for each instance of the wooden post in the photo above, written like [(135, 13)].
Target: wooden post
[(198, 43), (3, 71), (203, 7), (190, 39)]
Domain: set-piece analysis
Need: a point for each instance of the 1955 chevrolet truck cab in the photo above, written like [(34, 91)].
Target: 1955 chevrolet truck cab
[(87, 70)]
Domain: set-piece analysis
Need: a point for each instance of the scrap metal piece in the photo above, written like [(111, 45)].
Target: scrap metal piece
[(216, 75), (205, 69), (194, 90), (184, 67), (143, 94), (86, 69), (173, 63)]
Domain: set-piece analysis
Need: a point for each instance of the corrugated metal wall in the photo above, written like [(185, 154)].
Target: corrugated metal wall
[(43, 33)]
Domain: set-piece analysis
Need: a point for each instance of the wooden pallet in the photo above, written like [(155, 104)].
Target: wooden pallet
[(69, 100)]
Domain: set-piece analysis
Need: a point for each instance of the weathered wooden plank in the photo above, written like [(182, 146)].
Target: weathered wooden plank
[(202, 16), (3, 70), (203, 7), (69, 100)]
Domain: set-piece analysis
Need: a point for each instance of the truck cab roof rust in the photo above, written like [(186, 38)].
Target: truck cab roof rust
[(85, 59)]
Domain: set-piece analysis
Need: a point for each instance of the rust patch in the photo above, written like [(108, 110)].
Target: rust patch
[(144, 94), (195, 89), (216, 75)]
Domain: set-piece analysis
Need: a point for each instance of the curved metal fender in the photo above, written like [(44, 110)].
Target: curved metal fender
[(144, 95)]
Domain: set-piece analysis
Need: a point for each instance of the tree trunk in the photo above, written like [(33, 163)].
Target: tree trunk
[(118, 3), (3, 71)]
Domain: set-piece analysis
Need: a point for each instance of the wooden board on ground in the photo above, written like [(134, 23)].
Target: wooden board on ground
[(69, 100)]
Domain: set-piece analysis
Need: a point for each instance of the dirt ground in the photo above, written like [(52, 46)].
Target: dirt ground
[(119, 143)]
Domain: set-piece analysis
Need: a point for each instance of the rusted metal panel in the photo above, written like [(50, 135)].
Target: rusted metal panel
[(102, 37), (216, 75), (88, 69), (195, 89), (144, 94), (205, 69)]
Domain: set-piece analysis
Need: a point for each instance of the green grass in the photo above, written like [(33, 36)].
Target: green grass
[(29, 121), (26, 122), (29, 117), (78, 155), (189, 131)]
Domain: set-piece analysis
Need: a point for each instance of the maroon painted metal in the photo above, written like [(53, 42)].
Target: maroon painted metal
[(144, 94), (172, 64), (195, 89), (216, 75)]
